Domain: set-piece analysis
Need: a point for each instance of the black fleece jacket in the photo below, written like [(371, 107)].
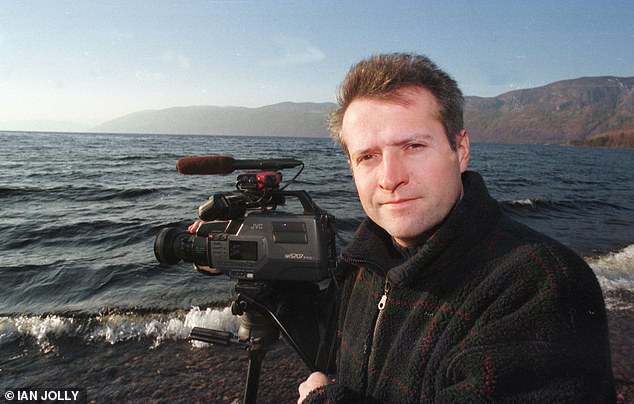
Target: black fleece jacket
[(487, 310)]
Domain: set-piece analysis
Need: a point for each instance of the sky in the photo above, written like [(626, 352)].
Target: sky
[(67, 65)]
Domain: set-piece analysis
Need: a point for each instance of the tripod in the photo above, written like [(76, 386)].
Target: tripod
[(259, 329)]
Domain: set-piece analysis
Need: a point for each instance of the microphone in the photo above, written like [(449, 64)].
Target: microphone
[(213, 165)]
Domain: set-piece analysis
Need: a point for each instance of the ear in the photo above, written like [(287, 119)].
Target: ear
[(463, 148)]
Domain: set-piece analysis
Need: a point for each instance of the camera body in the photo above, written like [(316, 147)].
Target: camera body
[(263, 245)]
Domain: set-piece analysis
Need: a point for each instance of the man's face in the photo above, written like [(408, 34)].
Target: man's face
[(407, 175)]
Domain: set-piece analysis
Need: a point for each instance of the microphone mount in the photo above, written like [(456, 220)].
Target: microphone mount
[(258, 189)]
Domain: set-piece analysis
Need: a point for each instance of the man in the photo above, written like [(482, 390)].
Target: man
[(446, 299)]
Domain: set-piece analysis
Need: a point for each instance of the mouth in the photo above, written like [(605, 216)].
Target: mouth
[(397, 202)]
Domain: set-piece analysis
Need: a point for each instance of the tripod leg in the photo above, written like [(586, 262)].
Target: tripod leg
[(256, 356), (258, 333)]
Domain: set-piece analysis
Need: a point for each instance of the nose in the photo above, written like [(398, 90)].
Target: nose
[(393, 172)]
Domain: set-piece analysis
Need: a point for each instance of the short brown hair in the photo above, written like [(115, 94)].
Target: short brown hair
[(382, 76)]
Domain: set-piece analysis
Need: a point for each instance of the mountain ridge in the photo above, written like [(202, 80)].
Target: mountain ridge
[(559, 112), (306, 119)]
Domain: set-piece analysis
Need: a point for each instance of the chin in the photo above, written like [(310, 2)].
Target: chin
[(407, 231), (403, 234)]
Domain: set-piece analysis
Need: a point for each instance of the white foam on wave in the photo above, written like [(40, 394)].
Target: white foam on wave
[(116, 327), (122, 327), (614, 270), (523, 202), (42, 329)]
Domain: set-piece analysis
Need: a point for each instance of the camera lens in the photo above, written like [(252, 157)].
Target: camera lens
[(167, 246), (173, 244)]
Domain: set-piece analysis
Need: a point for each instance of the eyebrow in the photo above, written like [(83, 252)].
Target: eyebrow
[(418, 137)]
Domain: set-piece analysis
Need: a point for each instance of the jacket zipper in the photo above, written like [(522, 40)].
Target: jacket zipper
[(367, 351), (379, 317), (383, 301)]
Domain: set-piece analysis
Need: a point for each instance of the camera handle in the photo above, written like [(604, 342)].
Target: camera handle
[(259, 328), (310, 207)]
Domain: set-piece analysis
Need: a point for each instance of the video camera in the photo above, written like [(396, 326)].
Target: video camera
[(283, 262), (264, 244)]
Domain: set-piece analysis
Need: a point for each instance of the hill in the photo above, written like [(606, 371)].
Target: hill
[(555, 113), (284, 119)]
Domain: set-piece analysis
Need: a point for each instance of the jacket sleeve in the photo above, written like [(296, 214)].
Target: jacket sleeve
[(524, 371), (541, 336)]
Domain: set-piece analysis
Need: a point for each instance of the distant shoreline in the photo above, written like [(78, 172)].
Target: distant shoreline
[(622, 139), (597, 142)]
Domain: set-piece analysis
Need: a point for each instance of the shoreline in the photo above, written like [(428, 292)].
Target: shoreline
[(175, 371)]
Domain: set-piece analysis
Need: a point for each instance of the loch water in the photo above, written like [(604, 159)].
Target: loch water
[(79, 214)]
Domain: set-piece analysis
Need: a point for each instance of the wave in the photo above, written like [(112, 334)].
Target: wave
[(114, 327), (103, 232), (81, 193), (614, 270), (539, 204)]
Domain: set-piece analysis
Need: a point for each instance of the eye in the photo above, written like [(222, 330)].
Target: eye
[(415, 146), (364, 158)]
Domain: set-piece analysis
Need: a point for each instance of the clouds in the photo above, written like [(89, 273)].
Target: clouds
[(294, 52), (116, 37), (175, 59), (149, 76), (170, 61)]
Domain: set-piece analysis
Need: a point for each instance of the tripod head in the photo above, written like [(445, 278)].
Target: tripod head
[(260, 327)]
